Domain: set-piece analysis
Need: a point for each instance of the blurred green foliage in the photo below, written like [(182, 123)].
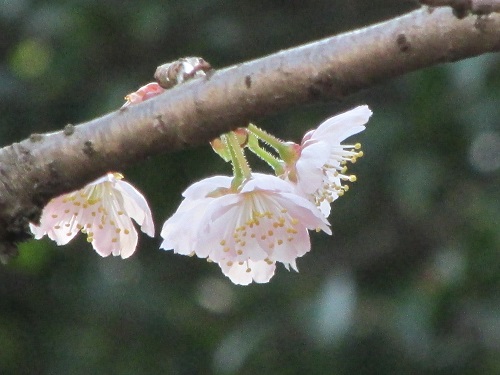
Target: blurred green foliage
[(408, 283)]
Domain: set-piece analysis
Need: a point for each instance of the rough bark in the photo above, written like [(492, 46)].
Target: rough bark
[(44, 166), (462, 8)]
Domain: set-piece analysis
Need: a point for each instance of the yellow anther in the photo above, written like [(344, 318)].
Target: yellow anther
[(126, 231), (352, 178), (54, 216)]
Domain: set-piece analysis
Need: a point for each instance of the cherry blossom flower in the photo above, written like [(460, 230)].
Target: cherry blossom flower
[(320, 169), (244, 231), (102, 210), (144, 93)]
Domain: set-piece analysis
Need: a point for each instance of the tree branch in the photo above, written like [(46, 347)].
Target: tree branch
[(462, 7), (44, 166)]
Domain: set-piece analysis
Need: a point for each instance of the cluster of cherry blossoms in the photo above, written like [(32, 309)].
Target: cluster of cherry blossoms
[(246, 222)]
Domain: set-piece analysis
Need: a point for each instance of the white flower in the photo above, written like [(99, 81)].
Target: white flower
[(320, 169), (263, 222), (103, 210)]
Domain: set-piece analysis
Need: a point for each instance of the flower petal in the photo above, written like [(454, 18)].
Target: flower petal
[(309, 172), (136, 207), (244, 274), (337, 128)]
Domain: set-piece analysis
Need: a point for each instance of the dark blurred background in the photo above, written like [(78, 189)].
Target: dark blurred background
[(409, 283)]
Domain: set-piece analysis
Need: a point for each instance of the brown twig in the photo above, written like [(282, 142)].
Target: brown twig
[(47, 165)]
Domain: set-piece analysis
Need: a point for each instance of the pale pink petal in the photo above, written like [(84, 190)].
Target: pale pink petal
[(305, 211), (136, 207), (309, 166), (337, 128), (180, 232), (201, 189), (108, 240), (244, 274), (267, 182)]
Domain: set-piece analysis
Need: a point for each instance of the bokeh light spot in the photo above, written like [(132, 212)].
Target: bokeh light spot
[(215, 295), (30, 59), (484, 153)]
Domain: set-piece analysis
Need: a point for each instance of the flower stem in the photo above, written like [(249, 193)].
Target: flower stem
[(254, 146), (281, 148), (241, 169)]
